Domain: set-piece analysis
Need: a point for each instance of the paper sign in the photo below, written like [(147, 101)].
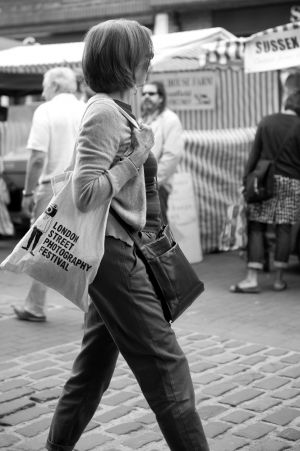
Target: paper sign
[(193, 90)]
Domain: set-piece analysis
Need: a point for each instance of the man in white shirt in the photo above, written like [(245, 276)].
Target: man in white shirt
[(51, 140), (168, 138)]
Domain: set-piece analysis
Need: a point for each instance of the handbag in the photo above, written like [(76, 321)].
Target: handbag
[(172, 275), (260, 182), (64, 246)]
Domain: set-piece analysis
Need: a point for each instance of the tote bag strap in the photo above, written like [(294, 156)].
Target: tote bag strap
[(108, 101), (130, 118)]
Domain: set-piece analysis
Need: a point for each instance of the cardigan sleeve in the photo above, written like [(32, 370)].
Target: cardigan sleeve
[(99, 173)]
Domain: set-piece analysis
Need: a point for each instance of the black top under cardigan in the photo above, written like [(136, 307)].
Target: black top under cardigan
[(153, 210)]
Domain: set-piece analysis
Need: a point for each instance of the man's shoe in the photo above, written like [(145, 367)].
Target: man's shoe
[(24, 315)]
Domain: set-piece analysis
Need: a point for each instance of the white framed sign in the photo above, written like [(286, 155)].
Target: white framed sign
[(190, 90), (276, 49)]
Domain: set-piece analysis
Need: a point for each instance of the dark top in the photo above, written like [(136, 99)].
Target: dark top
[(153, 212), (277, 135), (153, 215)]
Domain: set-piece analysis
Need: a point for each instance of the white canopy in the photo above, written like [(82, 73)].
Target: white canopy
[(30, 62), (7, 43), (173, 50), (37, 58)]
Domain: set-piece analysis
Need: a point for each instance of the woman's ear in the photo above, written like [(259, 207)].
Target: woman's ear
[(55, 86)]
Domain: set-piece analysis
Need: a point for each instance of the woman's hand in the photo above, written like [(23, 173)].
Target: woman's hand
[(142, 142)]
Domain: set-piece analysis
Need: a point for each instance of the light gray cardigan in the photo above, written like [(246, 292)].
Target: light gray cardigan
[(103, 169)]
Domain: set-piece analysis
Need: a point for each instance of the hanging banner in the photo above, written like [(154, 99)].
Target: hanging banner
[(189, 90), (276, 48), (295, 13)]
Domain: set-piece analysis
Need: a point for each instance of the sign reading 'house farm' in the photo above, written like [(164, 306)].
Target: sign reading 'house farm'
[(190, 90)]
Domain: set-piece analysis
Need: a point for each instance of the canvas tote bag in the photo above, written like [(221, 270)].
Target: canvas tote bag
[(64, 247)]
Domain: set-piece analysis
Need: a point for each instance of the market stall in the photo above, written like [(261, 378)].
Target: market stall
[(276, 49), (22, 69), (219, 106), (21, 74)]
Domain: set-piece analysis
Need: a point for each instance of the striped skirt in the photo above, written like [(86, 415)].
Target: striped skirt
[(283, 207)]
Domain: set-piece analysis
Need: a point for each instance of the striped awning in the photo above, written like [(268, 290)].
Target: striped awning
[(279, 29), (222, 52), (180, 51), (234, 50)]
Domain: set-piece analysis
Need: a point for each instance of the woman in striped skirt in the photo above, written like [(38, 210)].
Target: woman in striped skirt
[(277, 138)]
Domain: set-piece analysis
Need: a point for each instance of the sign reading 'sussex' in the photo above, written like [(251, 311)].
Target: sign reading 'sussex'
[(276, 48), (277, 45)]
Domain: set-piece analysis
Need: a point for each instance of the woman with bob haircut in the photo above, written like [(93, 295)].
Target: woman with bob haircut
[(113, 160)]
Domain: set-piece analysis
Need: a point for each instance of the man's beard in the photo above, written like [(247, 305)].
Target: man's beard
[(148, 108)]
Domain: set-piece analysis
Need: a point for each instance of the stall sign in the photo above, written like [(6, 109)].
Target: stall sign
[(295, 13), (191, 90), (273, 50)]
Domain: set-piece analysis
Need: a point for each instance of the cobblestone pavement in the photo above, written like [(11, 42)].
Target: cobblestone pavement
[(246, 373)]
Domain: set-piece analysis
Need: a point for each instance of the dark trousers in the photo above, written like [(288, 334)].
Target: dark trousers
[(256, 244), (126, 316)]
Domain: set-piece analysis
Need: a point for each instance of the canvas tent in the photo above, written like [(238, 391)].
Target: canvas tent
[(22, 67), (220, 107), (218, 139)]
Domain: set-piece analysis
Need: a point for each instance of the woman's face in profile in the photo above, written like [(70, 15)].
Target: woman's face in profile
[(141, 71)]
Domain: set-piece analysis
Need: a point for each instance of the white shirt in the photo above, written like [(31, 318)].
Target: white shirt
[(168, 145), (54, 130)]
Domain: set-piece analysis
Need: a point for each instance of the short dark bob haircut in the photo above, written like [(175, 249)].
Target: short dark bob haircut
[(113, 50)]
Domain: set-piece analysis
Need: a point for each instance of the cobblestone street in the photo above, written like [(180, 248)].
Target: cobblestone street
[(243, 350)]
